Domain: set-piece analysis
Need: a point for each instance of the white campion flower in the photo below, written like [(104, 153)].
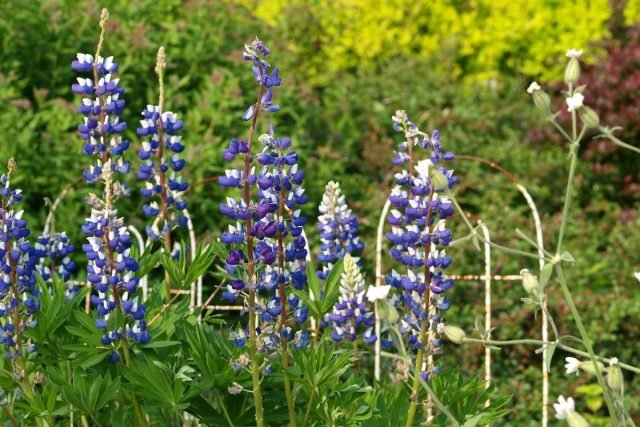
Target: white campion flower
[(574, 102), (572, 365), (637, 275), (534, 86), (375, 293), (574, 53), (564, 407)]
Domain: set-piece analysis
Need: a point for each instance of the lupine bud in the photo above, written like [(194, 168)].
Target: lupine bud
[(529, 282), (454, 334), (589, 117), (614, 377), (572, 72)]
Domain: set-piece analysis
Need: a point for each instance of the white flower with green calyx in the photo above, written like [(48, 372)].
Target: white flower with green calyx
[(572, 365), (574, 102), (566, 410)]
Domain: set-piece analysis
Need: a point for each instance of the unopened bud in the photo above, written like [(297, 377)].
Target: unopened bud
[(542, 101), (574, 419), (12, 165), (529, 282), (235, 388), (589, 117), (614, 377), (161, 60), (438, 179), (454, 334), (590, 368), (572, 72)]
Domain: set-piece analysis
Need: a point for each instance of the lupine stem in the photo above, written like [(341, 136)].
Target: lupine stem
[(108, 205), (253, 345), (424, 337), (166, 230), (284, 351)]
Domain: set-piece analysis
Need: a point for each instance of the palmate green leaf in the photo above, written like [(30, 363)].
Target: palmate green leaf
[(332, 287), (150, 382), (312, 281)]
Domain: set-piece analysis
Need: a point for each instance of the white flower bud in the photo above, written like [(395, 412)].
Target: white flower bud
[(454, 334), (529, 282), (572, 72), (574, 419), (589, 117), (614, 377)]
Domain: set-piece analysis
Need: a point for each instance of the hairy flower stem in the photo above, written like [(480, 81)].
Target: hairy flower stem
[(587, 343), (561, 346), (425, 336), (563, 284), (253, 339), (284, 351)]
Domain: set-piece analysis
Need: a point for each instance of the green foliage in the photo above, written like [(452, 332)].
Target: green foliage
[(465, 399)]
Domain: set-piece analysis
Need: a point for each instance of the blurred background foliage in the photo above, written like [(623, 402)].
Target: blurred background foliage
[(459, 66)]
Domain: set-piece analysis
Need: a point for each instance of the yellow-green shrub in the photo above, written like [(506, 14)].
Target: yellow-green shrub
[(479, 39)]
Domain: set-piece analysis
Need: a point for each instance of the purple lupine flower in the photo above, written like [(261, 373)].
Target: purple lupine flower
[(110, 267), (160, 168), (338, 228), (269, 224), (419, 235), (351, 314), (53, 252), (18, 288)]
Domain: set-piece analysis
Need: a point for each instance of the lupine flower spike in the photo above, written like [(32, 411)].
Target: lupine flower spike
[(267, 250), (52, 251), (419, 235), (18, 288), (110, 266), (161, 166), (352, 316), (338, 228)]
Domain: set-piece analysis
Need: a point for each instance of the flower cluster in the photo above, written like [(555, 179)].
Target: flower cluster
[(110, 267), (419, 234), (53, 252), (351, 313), (270, 226), (159, 155), (280, 248), (18, 288), (338, 228)]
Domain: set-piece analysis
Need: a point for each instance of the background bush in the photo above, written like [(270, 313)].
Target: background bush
[(348, 66)]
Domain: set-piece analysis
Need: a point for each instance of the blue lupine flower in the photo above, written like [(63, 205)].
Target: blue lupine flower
[(160, 167), (351, 315), (110, 267), (18, 289), (53, 252), (338, 228), (418, 235), (272, 221)]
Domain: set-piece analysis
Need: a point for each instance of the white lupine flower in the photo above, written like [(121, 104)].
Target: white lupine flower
[(574, 102)]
